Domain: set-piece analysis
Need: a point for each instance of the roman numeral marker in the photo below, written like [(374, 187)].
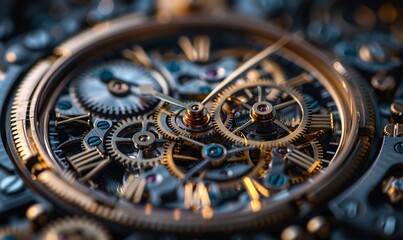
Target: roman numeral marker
[(196, 197), (138, 55), (303, 160), (253, 188), (90, 162), (81, 119), (321, 122), (199, 50), (133, 189)]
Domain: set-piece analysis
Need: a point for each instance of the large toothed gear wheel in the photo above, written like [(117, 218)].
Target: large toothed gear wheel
[(260, 121), (109, 90), (74, 228), (135, 142), (181, 157), (170, 123)]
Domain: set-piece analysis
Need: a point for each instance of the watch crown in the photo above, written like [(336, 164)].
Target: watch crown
[(393, 130)]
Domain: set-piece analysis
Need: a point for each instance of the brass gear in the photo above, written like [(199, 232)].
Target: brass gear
[(74, 227), (172, 156), (168, 122), (232, 98), (135, 142)]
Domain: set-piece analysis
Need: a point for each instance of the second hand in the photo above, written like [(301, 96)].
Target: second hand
[(251, 63)]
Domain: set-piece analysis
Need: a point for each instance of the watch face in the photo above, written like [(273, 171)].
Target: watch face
[(175, 126)]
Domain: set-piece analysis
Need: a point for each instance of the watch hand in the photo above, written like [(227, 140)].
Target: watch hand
[(149, 90), (196, 169), (246, 67)]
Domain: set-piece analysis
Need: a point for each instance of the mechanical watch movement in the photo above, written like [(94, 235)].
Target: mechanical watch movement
[(205, 125)]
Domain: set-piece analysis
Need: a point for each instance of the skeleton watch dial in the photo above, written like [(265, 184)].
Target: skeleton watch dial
[(200, 125)]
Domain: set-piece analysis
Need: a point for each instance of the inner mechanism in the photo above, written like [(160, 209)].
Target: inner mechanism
[(265, 122), (262, 111), (109, 89), (135, 142), (196, 116), (130, 135)]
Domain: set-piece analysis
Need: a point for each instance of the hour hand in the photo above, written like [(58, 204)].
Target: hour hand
[(149, 90)]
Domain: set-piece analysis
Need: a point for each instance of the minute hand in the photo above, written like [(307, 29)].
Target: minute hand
[(246, 67)]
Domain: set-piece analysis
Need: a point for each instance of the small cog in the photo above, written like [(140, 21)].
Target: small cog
[(260, 120), (135, 142), (170, 123), (74, 228), (109, 90)]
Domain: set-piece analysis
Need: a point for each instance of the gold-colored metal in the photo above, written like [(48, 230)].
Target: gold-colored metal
[(393, 187), (397, 112), (173, 153), (29, 119), (75, 228), (233, 135), (393, 130), (171, 122), (133, 189)]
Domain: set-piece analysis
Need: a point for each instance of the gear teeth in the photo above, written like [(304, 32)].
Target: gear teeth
[(166, 125), (73, 225), (106, 108), (113, 150), (228, 135)]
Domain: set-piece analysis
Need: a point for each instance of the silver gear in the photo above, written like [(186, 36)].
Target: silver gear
[(135, 142), (113, 95)]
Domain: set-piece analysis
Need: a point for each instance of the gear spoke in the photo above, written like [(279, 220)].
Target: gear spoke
[(260, 94), (260, 126), (284, 104), (280, 124), (185, 157), (123, 140), (144, 138), (245, 125), (242, 104)]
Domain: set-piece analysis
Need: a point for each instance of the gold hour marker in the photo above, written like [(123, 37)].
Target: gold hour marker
[(138, 55), (133, 189), (299, 80), (197, 197), (253, 188), (91, 162), (81, 119), (199, 50), (303, 160), (321, 122)]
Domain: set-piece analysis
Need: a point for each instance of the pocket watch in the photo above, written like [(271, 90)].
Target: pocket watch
[(202, 120)]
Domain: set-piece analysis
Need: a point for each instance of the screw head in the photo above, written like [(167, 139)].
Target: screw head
[(94, 141), (103, 125), (399, 147), (11, 184), (64, 105)]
